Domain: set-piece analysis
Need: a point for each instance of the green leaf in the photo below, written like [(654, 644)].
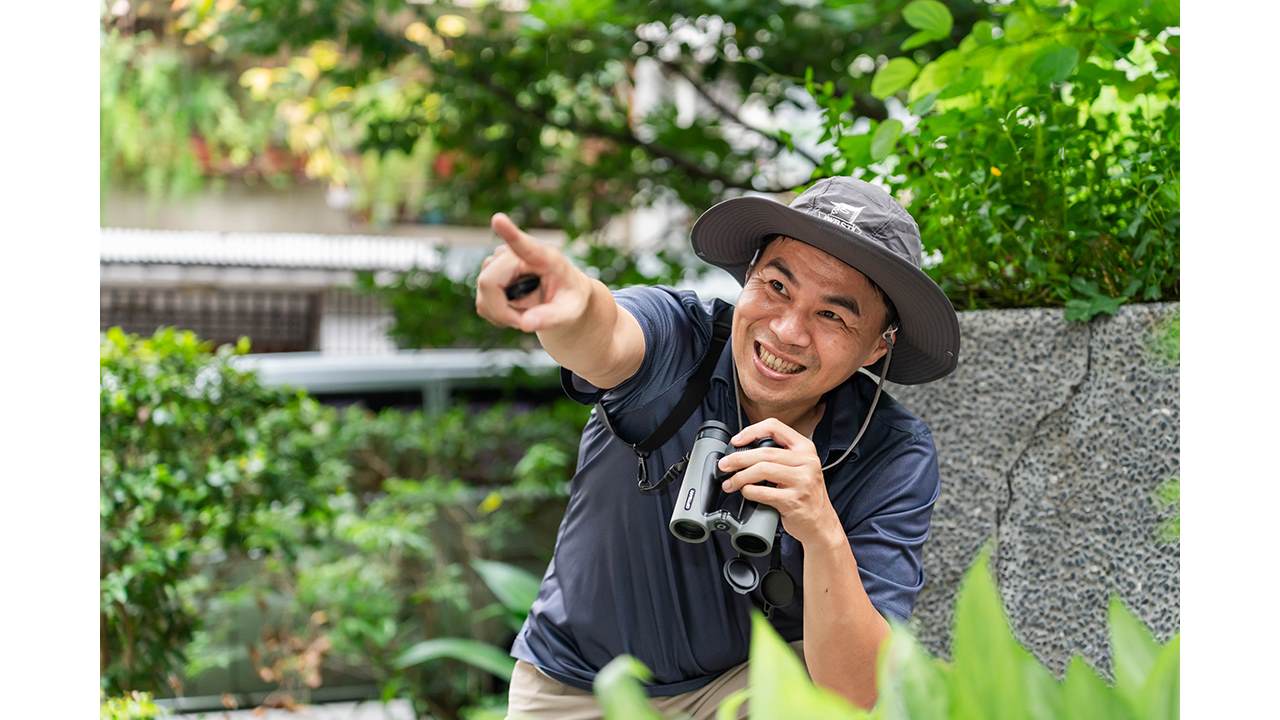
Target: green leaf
[(993, 676), (929, 16), (619, 690), (884, 138), (515, 588), (916, 39), (1133, 651), (924, 104), (937, 75), (1160, 693), (473, 652), (894, 76), (912, 684), (1018, 27), (1088, 695), (780, 686), (856, 149), (1055, 63), (728, 709)]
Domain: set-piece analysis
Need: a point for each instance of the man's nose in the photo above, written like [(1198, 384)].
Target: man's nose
[(790, 329)]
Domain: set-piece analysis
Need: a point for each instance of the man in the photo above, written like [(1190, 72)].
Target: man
[(831, 284)]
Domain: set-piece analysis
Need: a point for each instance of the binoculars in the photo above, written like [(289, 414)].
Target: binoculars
[(696, 516)]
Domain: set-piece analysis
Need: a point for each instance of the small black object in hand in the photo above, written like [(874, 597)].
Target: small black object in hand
[(522, 286)]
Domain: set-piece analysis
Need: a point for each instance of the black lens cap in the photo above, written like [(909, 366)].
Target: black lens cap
[(778, 587), (741, 575)]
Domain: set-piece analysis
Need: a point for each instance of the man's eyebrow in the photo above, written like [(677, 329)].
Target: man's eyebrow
[(782, 268), (845, 302)]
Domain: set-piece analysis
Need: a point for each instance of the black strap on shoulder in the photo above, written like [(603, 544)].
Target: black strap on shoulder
[(694, 390)]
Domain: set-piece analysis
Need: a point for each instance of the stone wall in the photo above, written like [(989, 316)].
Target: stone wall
[(1052, 438)]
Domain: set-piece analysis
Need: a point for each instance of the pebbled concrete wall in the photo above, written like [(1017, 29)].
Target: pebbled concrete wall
[(1052, 438)]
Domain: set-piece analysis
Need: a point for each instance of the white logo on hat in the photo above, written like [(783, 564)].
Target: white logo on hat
[(851, 212)]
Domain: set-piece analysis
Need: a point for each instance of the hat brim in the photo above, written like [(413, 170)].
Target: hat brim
[(928, 341)]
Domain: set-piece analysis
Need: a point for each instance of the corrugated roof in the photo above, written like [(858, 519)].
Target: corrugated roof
[(267, 250)]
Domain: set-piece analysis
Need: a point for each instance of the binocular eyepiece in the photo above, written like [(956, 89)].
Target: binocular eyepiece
[(695, 516)]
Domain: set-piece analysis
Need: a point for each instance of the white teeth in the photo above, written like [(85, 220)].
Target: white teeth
[(777, 364)]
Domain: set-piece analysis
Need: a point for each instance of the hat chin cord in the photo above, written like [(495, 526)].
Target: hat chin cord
[(888, 339)]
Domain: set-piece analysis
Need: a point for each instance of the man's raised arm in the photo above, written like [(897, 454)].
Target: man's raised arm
[(575, 317)]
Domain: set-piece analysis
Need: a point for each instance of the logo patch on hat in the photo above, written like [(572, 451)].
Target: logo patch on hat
[(850, 212), (842, 214)]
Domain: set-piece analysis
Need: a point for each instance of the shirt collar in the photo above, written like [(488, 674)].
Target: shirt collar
[(846, 406)]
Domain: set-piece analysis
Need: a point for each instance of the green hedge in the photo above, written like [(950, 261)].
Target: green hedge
[(348, 537)]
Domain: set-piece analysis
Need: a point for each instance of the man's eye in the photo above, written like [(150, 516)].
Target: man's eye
[(776, 285)]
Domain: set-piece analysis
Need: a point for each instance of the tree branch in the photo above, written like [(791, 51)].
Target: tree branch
[(731, 115), (626, 137)]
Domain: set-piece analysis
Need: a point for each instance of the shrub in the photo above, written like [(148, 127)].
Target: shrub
[(247, 524), (198, 461), (1044, 166)]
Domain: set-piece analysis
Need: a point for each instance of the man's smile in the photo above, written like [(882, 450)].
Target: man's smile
[(777, 366)]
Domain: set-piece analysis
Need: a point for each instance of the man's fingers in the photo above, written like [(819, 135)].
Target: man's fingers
[(746, 458), (544, 315), (780, 475), (781, 433), (524, 246)]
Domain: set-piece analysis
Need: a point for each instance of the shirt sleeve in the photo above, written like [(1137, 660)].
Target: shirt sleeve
[(887, 541), (676, 327)]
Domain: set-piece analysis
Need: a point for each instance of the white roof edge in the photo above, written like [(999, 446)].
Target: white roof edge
[(403, 370)]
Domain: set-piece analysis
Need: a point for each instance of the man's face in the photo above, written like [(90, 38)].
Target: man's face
[(804, 323)]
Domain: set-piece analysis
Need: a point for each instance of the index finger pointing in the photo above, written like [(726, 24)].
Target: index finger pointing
[(524, 246)]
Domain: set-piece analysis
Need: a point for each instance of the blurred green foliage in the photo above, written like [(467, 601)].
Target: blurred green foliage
[(1037, 143), (197, 459), (254, 525), (170, 119), (130, 706), (1044, 165), (990, 675), (436, 111)]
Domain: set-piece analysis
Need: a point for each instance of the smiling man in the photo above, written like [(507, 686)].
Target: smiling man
[(831, 286)]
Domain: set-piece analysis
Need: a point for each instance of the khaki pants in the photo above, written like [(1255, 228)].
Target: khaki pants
[(535, 696)]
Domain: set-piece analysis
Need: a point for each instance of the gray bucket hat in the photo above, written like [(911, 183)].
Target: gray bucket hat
[(862, 225)]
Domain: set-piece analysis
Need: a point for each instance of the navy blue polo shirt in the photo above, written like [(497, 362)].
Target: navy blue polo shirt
[(620, 582)]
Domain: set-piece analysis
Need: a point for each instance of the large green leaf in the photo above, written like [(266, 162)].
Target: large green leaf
[(1055, 63), (993, 676), (912, 685), (473, 652), (894, 76), (884, 138), (928, 16), (1160, 694), (780, 687), (1088, 696), (1133, 651), (619, 690), (515, 588)]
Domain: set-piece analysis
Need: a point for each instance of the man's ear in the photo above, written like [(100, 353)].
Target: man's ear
[(882, 347)]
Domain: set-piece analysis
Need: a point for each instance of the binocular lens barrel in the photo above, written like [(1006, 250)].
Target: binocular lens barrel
[(689, 530)]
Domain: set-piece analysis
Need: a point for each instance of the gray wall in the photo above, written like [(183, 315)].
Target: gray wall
[(1052, 438)]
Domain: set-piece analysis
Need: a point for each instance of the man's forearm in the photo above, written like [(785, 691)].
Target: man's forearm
[(594, 346), (842, 629)]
